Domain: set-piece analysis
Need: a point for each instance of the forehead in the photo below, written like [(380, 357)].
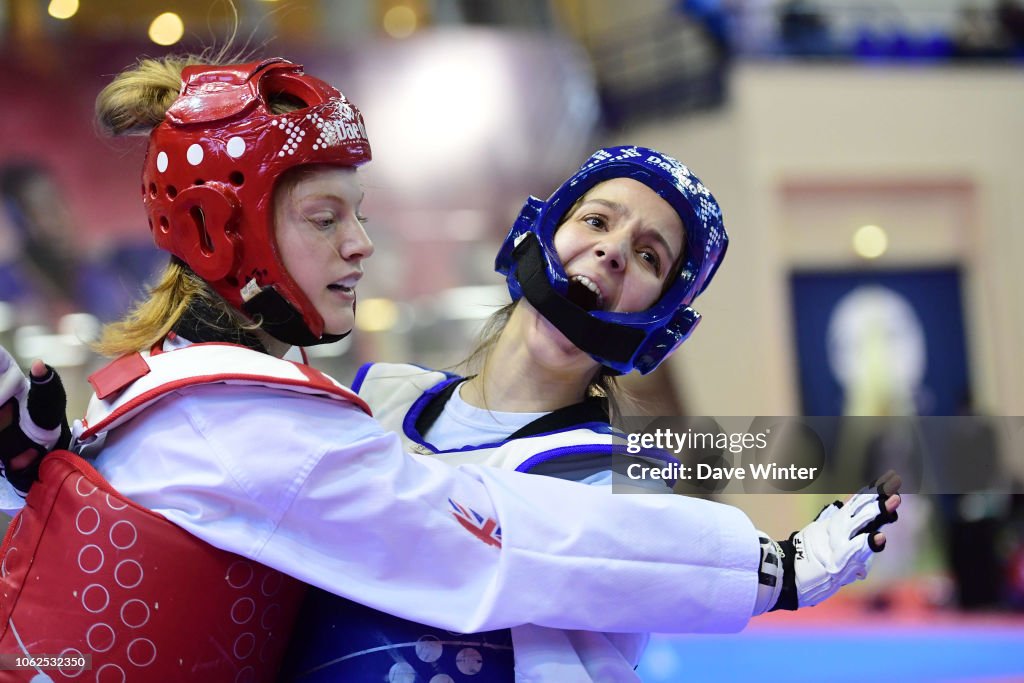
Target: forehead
[(321, 180), (635, 200)]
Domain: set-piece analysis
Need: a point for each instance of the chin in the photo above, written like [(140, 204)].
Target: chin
[(339, 324), (337, 330)]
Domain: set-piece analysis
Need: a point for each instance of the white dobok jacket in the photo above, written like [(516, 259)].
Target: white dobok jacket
[(317, 489)]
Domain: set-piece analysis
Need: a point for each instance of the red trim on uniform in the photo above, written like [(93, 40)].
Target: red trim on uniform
[(321, 381), (158, 391), (158, 348), (118, 374)]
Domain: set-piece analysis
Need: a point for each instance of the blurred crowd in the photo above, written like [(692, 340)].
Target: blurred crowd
[(810, 28), (45, 270)]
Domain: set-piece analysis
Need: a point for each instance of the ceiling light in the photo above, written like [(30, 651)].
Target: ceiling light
[(62, 9), (870, 241), (400, 21), (166, 29)]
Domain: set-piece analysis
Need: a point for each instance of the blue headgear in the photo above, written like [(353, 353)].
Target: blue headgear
[(620, 341)]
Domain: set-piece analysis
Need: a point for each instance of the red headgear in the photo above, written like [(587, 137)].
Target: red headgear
[(210, 172)]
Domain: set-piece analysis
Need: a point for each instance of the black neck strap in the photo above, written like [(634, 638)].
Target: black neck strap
[(428, 416), (280, 320), (590, 409), (202, 322), (615, 343)]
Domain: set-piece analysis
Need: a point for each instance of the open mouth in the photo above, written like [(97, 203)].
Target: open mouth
[(585, 293), (339, 288)]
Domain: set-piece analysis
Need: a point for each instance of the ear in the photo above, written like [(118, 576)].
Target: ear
[(202, 230)]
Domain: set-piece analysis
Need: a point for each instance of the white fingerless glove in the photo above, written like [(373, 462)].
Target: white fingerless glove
[(830, 552)]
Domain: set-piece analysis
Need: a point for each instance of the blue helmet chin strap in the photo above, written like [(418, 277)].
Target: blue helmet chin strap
[(621, 341)]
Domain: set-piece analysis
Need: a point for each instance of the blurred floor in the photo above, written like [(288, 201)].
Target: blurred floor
[(845, 640)]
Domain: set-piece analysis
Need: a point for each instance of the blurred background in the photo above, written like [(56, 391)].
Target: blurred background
[(867, 158)]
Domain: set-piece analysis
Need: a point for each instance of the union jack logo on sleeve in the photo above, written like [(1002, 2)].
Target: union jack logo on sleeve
[(484, 528)]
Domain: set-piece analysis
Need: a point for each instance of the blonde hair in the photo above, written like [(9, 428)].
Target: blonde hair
[(134, 103), (138, 98), (152, 319)]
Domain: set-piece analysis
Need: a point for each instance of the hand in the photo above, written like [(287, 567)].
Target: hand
[(837, 547), (32, 419)]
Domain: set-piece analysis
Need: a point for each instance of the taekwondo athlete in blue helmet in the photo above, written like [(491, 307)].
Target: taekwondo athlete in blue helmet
[(602, 276)]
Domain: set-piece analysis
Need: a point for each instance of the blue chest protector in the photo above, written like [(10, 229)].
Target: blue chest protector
[(339, 640), (342, 641)]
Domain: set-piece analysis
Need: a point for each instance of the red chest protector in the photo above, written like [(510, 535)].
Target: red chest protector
[(83, 570)]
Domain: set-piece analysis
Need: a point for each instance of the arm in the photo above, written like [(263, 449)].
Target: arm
[(569, 556), (319, 491)]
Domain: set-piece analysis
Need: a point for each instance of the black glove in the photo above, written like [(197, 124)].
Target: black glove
[(33, 420)]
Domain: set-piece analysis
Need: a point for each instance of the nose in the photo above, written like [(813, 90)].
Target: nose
[(355, 243), (611, 252)]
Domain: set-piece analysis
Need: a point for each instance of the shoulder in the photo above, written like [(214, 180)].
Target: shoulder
[(135, 383), (244, 416), (261, 439), (220, 406), (386, 376)]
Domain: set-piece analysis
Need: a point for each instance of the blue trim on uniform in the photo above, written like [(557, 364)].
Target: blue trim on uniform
[(602, 449), (417, 407), (498, 444), (563, 451), (357, 381), (409, 421), (602, 428), (656, 454)]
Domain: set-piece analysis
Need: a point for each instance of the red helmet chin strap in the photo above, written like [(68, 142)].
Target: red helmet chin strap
[(211, 170)]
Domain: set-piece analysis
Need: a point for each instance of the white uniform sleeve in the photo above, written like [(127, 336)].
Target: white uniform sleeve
[(317, 490), (11, 502), (549, 654)]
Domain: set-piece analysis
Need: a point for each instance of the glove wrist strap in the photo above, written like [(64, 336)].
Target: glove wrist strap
[(788, 598), (769, 575)]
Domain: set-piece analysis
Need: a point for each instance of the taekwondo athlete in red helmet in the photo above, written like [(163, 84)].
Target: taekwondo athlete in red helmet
[(219, 478), (610, 265)]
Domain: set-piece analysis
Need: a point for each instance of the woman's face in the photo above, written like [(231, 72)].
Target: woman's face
[(619, 246), (322, 242)]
